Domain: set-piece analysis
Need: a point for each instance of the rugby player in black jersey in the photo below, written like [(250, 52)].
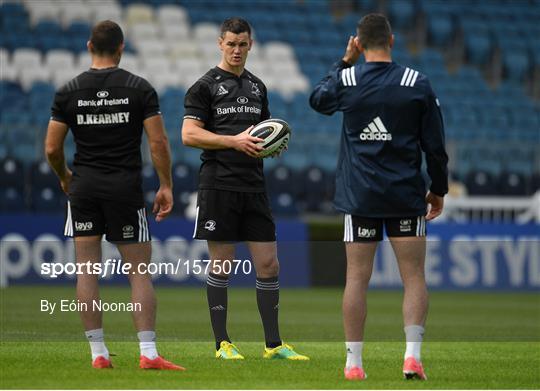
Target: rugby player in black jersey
[(232, 205), (107, 108)]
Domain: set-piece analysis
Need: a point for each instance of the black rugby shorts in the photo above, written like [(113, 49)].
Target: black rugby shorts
[(367, 229), (232, 216), (120, 221)]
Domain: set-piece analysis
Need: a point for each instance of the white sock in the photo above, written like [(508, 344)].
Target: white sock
[(354, 354), (414, 335), (147, 344), (97, 346)]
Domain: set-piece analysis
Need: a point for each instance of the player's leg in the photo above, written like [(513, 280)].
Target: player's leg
[(142, 294), (259, 231), (217, 222), (409, 245), (361, 236), (85, 223), (265, 260), (264, 257), (127, 227), (216, 291)]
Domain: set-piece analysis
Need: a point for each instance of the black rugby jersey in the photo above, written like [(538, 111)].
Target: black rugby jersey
[(228, 105), (105, 110)]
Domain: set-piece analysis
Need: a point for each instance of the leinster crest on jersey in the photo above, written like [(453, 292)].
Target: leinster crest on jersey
[(255, 90)]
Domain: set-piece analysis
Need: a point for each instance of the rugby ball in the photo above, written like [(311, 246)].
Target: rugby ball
[(275, 133)]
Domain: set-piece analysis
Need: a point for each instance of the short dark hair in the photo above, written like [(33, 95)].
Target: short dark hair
[(374, 32), (235, 26), (106, 38)]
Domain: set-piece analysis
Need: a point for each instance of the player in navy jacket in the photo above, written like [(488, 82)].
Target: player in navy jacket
[(390, 115)]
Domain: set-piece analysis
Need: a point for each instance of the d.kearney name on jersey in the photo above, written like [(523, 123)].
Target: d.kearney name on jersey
[(101, 119), (103, 102), (237, 109)]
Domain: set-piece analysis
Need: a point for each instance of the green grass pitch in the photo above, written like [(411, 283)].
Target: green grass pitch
[(473, 341)]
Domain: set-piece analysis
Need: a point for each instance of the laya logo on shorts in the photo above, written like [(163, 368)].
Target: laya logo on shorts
[(366, 232), (86, 226), (405, 225), (102, 94), (210, 225), (127, 231)]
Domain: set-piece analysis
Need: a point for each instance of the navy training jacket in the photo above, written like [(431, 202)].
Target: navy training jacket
[(390, 115)]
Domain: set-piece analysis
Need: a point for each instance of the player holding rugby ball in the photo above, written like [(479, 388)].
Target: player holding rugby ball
[(232, 205)]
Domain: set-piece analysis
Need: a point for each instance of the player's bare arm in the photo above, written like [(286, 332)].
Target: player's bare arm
[(194, 135), (161, 157), (435, 205), (54, 151)]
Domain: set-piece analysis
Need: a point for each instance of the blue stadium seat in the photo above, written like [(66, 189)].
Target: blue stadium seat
[(48, 28), (440, 29), (512, 184), (281, 179), (12, 173), (47, 199), (41, 175), (367, 5), (11, 9), (192, 156), (533, 183), (478, 48), (516, 65), (150, 180), (480, 183), (283, 204), (11, 200), (42, 89), (49, 42), (149, 197), (402, 13), (315, 187), (13, 40), (184, 177), (79, 30), (13, 18)]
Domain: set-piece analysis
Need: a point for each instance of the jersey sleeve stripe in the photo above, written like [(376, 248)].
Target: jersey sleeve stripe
[(348, 75), (353, 76), (409, 78), (343, 79), (404, 76), (414, 78)]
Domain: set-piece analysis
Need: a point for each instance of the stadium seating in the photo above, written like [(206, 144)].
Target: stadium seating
[(173, 42)]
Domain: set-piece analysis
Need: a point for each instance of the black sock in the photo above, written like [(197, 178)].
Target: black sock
[(216, 292), (268, 303)]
